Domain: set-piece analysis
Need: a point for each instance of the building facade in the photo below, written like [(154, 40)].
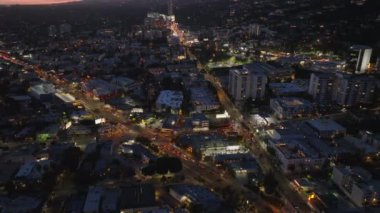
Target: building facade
[(350, 90), (244, 83), (358, 59), (321, 86)]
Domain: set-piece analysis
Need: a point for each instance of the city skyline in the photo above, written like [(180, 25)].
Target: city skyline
[(34, 2), (194, 106)]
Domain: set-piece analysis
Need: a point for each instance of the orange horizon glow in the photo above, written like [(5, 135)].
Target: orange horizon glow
[(34, 2)]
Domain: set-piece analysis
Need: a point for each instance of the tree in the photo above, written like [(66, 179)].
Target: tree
[(143, 140), (175, 165), (270, 183), (71, 158), (271, 151), (129, 172), (167, 83), (196, 208), (168, 164), (162, 166), (149, 170)]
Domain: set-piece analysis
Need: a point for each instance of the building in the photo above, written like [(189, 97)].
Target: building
[(377, 65), (202, 99), (200, 122), (209, 145), (358, 59), (352, 90), (192, 194), (31, 171), (327, 128), (244, 83), (110, 201), (261, 120), (295, 154), (169, 100), (23, 203), (64, 29), (321, 86), (138, 198), (286, 89), (126, 84), (100, 89), (358, 185), (93, 199), (274, 74), (291, 107), (245, 171), (42, 91), (52, 31)]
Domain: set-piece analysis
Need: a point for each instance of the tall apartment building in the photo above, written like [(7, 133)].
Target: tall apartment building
[(244, 83), (321, 86), (351, 90)]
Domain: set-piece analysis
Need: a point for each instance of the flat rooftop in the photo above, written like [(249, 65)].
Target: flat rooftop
[(170, 98), (326, 125), (285, 88), (289, 102)]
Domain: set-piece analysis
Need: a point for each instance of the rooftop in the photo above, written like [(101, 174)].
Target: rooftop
[(93, 199), (170, 98), (285, 88), (294, 102), (43, 88), (196, 194), (326, 125)]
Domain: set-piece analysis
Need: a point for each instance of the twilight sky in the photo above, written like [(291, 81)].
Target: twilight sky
[(7, 2)]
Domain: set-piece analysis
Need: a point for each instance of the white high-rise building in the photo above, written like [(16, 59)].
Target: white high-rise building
[(244, 83), (358, 59)]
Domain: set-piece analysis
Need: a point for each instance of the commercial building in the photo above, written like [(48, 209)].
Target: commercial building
[(209, 145), (358, 59), (295, 154), (100, 89), (291, 107), (351, 90), (327, 128), (203, 99), (300, 146), (245, 171), (358, 185), (138, 198), (42, 91), (321, 86), (261, 120), (192, 194), (200, 122), (169, 100), (125, 83), (244, 83)]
